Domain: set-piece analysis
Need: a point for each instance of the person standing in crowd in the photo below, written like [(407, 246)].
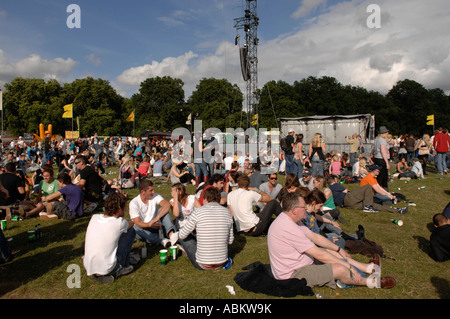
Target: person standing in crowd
[(381, 156), (317, 151), (441, 144), (289, 153), (298, 157), (354, 145)]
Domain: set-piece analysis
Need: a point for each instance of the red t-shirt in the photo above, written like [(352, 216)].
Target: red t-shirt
[(441, 142)]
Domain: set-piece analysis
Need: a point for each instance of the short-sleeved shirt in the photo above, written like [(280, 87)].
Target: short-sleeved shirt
[(48, 188), (379, 141), (241, 202), (369, 179), (11, 182), (74, 197), (185, 211), (93, 180), (287, 243), (338, 194), (146, 212), (102, 239)]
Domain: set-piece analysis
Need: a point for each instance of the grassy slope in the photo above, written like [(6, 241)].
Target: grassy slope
[(39, 269)]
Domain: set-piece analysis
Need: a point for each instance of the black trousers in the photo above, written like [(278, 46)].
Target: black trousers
[(384, 174)]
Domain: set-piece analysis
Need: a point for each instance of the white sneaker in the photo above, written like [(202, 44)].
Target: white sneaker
[(46, 216), (174, 238), (165, 243)]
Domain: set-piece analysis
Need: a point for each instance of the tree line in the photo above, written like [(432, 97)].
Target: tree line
[(160, 104)]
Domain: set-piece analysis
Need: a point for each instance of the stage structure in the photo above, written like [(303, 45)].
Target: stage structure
[(249, 58)]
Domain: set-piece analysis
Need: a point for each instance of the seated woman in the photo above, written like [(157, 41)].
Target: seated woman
[(126, 171), (329, 208), (68, 200), (402, 166), (177, 175), (46, 187), (182, 204), (415, 172), (323, 224), (362, 172)]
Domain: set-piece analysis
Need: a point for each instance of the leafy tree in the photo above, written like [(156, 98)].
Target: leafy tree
[(91, 94), (159, 105), (215, 102), (27, 103)]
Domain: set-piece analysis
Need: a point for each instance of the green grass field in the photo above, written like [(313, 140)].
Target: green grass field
[(42, 269)]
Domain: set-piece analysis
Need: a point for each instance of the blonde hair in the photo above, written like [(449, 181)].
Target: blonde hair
[(336, 158), (316, 140), (362, 162), (322, 182)]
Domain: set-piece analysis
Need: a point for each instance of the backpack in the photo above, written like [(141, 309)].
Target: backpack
[(283, 144)]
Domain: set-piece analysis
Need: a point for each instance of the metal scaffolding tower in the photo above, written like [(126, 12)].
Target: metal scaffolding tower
[(249, 58)]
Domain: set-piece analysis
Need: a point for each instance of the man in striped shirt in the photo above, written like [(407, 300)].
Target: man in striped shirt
[(213, 226)]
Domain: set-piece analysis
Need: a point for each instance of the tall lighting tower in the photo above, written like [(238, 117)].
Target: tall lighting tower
[(249, 58)]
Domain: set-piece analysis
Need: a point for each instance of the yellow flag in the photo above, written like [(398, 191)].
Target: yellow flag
[(430, 119), (130, 117), (68, 111), (255, 119)]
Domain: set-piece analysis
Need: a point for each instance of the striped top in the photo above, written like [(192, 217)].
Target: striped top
[(214, 227)]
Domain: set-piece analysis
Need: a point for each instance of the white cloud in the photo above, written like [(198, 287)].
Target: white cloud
[(35, 67), (413, 42), (306, 7), (94, 60)]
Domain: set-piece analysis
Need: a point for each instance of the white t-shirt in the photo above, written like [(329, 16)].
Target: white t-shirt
[(145, 211), (241, 202), (102, 238), (228, 161), (185, 212)]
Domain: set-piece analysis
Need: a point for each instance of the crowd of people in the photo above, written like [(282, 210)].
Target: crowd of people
[(234, 195)]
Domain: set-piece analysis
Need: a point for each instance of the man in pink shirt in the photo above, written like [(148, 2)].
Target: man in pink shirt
[(296, 252)]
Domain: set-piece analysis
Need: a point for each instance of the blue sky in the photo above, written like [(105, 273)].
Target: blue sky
[(126, 42)]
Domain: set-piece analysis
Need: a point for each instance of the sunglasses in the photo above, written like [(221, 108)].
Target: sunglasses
[(272, 178)]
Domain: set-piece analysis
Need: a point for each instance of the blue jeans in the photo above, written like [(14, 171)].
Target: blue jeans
[(290, 164), (317, 166), (353, 157), (201, 169), (441, 162), (126, 241), (299, 168), (384, 198), (189, 245), (151, 235)]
